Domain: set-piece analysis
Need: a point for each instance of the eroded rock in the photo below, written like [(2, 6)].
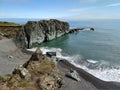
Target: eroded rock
[(38, 73), (23, 72), (50, 54), (73, 74), (48, 82), (41, 31)]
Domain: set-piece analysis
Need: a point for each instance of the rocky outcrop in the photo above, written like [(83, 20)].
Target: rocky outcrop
[(92, 29), (75, 30), (41, 31), (38, 73)]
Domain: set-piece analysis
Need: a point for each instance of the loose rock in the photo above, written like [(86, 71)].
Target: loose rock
[(73, 74)]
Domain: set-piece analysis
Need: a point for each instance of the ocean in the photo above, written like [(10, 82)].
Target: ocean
[(97, 52)]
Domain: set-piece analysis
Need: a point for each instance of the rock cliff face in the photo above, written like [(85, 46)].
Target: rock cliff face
[(41, 31)]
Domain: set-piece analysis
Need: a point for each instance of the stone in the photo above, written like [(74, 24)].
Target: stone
[(73, 74), (59, 59), (23, 72), (48, 82), (92, 29), (37, 55), (50, 54), (9, 56)]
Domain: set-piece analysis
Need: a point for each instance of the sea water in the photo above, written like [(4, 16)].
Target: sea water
[(97, 52)]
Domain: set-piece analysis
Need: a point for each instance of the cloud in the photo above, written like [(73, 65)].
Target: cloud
[(113, 5), (78, 9)]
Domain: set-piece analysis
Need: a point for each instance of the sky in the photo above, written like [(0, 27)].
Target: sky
[(64, 9)]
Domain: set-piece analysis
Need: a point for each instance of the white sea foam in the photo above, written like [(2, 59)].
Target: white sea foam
[(91, 61), (47, 49), (106, 74)]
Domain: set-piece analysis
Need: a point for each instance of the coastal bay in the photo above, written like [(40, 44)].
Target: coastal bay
[(13, 56)]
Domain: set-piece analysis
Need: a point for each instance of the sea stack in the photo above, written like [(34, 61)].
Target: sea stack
[(40, 31)]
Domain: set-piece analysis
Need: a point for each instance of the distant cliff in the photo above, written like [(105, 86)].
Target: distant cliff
[(41, 31)]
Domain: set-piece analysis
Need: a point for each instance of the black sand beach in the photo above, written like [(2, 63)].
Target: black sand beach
[(88, 81)]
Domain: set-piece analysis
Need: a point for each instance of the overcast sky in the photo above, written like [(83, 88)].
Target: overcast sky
[(68, 9)]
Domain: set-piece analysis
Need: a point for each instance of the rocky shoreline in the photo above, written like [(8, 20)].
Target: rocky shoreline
[(38, 73), (41, 72), (35, 71)]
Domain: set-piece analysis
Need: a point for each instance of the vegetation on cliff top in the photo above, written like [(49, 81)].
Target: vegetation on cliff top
[(9, 29), (9, 24)]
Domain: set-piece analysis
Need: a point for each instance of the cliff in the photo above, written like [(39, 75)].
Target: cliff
[(37, 32)]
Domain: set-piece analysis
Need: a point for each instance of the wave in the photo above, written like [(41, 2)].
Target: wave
[(91, 61), (99, 68)]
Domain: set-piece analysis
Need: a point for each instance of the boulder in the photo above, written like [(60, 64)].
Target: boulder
[(73, 74), (36, 56), (50, 54), (48, 82), (92, 29), (41, 31), (22, 72)]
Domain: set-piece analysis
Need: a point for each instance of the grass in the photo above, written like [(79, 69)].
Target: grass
[(25, 83), (47, 65), (1, 78), (9, 24)]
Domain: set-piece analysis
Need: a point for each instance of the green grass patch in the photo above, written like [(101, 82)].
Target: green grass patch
[(9, 24), (25, 83), (1, 78)]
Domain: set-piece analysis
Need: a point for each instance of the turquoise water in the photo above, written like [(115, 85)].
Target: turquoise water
[(101, 44), (97, 52)]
